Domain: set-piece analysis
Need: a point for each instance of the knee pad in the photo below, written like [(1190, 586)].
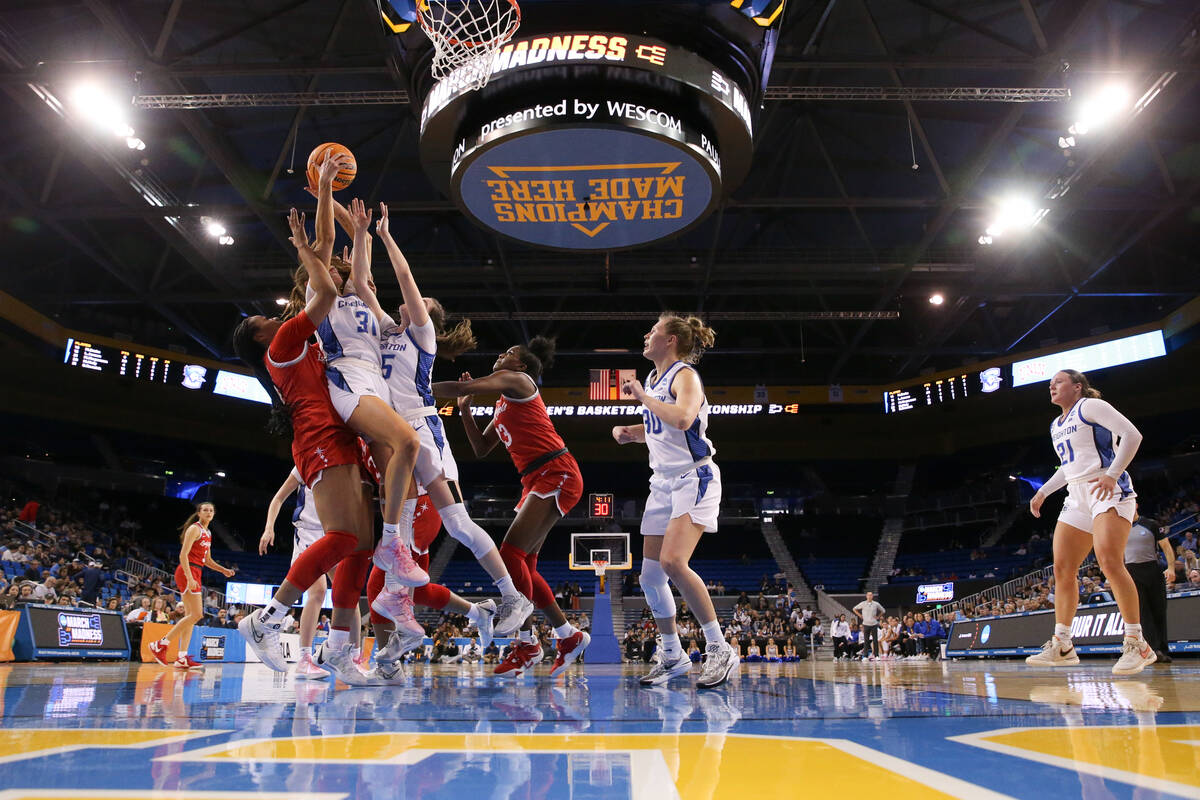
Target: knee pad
[(514, 560), (375, 584), (657, 589), (542, 596), (465, 530), (349, 577), (431, 595)]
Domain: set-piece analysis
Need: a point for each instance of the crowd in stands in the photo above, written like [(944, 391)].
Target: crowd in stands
[(764, 628)]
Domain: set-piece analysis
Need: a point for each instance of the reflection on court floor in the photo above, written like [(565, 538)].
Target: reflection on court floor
[(980, 729)]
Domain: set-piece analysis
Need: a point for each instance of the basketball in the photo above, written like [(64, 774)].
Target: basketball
[(317, 157)]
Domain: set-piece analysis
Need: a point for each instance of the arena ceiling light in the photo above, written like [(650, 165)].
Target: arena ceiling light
[(936, 299), (103, 111), (1099, 109), (1012, 214), (212, 227)]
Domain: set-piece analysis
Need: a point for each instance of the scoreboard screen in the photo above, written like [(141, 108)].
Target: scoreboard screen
[(601, 506), (941, 391), (157, 368)]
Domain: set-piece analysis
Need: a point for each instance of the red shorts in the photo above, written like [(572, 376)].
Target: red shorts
[(559, 479), (181, 578), (337, 447), (426, 524)]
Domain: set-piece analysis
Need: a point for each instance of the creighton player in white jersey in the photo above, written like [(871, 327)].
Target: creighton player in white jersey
[(406, 352), (685, 493), (1094, 444), (349, 338)]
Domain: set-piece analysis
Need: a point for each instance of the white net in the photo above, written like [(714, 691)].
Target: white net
[(466, 35)]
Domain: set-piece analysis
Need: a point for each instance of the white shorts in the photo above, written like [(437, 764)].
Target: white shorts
[(1081, 507), (434, 459), (696, 492), (349, 380), (305, 537)]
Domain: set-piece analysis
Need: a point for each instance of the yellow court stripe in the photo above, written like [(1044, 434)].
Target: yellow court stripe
[(19, 744), (1159, 757), (710, 766)]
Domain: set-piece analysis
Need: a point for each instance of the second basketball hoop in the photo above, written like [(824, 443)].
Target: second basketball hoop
[(466, 35)]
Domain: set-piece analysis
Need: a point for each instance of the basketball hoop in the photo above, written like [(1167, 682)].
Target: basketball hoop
[(466, 35), (600, 565)]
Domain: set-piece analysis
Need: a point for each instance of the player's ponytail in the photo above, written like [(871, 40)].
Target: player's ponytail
[(692, 336), (458, 340), (1085, 388), (252, 352), (296, 302), (537, 356)]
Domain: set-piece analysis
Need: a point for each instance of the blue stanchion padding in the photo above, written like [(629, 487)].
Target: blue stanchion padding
[(604, 648)]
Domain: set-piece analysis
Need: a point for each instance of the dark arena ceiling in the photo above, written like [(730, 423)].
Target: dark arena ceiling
[(878, 167)]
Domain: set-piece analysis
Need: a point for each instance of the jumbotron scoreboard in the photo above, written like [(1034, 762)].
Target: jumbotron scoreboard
[(604, 126)]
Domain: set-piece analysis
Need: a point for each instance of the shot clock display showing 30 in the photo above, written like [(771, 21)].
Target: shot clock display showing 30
[(601, 506)]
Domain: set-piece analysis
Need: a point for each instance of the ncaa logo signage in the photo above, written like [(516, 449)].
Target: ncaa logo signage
[(627, 176), (986, 634)]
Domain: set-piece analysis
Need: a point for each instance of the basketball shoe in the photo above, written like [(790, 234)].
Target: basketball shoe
[(1136, 655), (666, 669), (1055, 655), (159, 651), (522, 656), (569, 649), (340, 663), (264, 641), (307, 670), (720, 662), (513, 610), (398, 607), (186, 662), (393, 557)]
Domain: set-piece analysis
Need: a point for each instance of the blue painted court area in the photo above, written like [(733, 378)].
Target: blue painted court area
[(961, 729)]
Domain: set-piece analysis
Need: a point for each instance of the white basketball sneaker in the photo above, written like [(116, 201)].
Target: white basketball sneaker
[(1136, 655), (1055, 653)]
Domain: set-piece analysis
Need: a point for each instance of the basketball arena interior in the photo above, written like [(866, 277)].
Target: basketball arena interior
[(766, 519)]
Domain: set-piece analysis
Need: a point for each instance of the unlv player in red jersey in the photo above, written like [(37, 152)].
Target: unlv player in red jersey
[(324, 450), (550, 486), (193, 557)]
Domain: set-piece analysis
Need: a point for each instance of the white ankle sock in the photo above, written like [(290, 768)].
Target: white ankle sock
[(672, 647), (1133, 630), (507, 587), (565, 630), (407, 513), (1063, 632), (712, 632), (337, 639)]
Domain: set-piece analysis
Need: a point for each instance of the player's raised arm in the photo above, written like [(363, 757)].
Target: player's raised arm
[(323, 247), (289, 485), (482, 442), (418, 314)]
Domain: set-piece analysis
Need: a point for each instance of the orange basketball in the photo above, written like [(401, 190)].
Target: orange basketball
[(317, 157)]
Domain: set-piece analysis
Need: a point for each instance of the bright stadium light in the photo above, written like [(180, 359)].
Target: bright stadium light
[(212, 227), (1100, 109), (281, 301), (100, 109), (225, 240), (936, 299), (134, 143), (1013, 214)]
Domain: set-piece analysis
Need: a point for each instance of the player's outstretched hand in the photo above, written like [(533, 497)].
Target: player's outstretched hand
[(265, 541), (330, 166), (360, 215), (381, 227), (464, 402), (299, 237)]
